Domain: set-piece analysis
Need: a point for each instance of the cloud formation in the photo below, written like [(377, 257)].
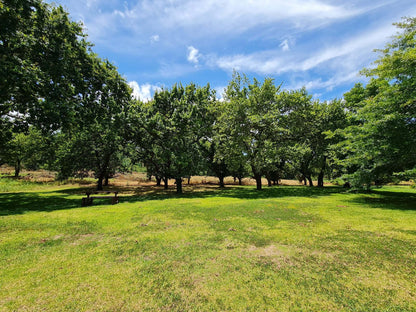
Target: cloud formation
[(168, 41), (144, 92), (193, 55), (285, 45)]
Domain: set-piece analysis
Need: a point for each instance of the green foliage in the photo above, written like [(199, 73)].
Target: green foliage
[(170, 131), (42, 58), (25, 149), (248, 130), (382, 138), (97, 137)]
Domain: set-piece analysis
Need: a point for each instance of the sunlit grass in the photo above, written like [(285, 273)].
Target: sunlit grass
[(285, 248)]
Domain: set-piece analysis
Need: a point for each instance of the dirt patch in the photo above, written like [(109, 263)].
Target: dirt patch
[(274, 255)]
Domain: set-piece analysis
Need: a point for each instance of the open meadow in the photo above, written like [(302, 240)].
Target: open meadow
[(236, 249)]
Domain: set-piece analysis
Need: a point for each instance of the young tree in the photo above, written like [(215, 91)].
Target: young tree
[(25, 149)]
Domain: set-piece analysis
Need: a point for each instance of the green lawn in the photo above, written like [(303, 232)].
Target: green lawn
[(284, 248)]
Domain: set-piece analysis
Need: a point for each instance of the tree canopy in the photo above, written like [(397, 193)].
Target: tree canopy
[(65, 108)]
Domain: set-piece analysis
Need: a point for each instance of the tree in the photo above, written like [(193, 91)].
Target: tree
[(42, 58), (97, 138), (383, 139), (171, 129), (248, 128), (25, 149), (300, 123)]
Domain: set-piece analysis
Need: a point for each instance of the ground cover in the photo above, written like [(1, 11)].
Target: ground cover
[(284, 248)]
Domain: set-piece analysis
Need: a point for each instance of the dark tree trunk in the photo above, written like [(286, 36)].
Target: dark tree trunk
[(321, 179), (269, 182), (106, 180), (165, 183), (100, 183), (189, 180), (179, 185), (321, 173), (258, 181), (221, 181), (235, 179), (240, 181), (158, 181), (310, 181), (304, 181), (17, 168)]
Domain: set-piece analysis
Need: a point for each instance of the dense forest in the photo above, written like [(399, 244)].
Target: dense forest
[(63, 108)]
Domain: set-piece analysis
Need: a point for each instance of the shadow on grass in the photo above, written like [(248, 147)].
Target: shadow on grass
[(246, 192), (17, 203), (388, 200), (21, 202)]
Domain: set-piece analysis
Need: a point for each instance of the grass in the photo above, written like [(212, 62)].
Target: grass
[(288, 248)]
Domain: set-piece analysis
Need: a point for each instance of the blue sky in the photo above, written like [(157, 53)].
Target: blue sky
[(319, 44)]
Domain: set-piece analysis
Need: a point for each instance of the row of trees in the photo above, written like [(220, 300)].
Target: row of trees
[(64, 108)]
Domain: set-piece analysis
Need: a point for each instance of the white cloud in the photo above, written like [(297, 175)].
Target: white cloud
[(219, 92), (329, 84), (144, 92), (285, 45), (341, 61), (154, 38), (193, 55), (210, 17), (350, 53), (252, 36)]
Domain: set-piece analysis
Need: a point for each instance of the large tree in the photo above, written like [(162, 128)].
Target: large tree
[(97, 138), (382, 139), (171, 129), (248, 128), (42, 56)]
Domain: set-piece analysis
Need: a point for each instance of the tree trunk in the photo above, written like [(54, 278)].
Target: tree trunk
[(321, 179), (100, 183), (179, 185), (106, 180), (158, 181), (321, 173), (17, 168), (269, 182), (166, 183), (310, 181), (189, 180), (240, 181), (304, 181), (258, 182), (221, 181)]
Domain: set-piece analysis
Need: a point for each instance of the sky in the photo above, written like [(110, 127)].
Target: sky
[(319, 44)]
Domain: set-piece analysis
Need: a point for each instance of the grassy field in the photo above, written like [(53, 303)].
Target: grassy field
[(289, 248)]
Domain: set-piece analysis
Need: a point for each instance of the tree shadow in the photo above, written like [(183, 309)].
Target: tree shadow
[(69, 198), (248, 193), (388, 200), (21, 202)]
